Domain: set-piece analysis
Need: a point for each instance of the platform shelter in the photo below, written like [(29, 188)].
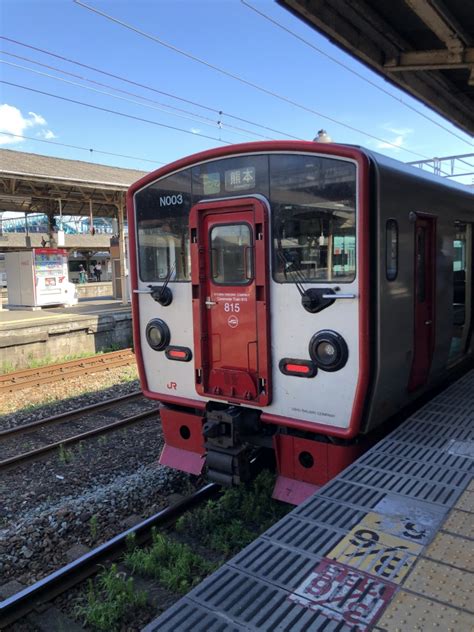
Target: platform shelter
[(32, 183)]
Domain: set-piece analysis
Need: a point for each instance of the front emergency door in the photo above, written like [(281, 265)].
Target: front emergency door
[(229, 263), (424, 316)]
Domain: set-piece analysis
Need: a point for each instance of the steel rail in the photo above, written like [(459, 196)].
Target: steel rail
[(60, 366), (22, 603), (72, 414), (18, 380), (32, 454)]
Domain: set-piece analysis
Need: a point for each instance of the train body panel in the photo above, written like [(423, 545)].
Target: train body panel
[(403, 195), (320, 400), (294, 296)]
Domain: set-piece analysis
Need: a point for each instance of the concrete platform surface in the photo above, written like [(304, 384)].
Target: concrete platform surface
[(85, 308), (386, 545)]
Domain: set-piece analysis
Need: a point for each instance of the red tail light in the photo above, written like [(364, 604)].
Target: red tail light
[(181, 354), (298, 368)]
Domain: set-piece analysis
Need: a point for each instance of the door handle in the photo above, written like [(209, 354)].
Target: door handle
[(428, 322), (209, 303)]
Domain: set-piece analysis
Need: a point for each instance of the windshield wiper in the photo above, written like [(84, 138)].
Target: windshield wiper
[(312, 299)]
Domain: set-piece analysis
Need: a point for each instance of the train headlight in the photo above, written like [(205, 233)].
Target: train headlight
[(328, 350), (158, 334)]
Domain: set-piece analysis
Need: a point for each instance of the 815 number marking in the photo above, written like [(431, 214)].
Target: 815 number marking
[(232, 307)]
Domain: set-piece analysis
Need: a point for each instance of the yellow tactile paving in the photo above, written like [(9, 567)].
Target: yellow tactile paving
[(444, 583), (460, 523), (411, 613), (452, 549), (466, 501)]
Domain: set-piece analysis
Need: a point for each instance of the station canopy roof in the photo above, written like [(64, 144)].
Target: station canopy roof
[(33, 183), (425, 47)]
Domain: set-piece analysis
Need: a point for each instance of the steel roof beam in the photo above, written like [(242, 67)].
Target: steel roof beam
[(431, 60)]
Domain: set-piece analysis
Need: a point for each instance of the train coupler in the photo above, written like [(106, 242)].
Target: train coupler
[(228, 454), (230, 467)]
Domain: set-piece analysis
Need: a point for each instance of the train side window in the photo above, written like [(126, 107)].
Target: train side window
[(391, 249)]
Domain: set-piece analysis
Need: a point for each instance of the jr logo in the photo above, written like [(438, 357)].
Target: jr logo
[(171, 386)]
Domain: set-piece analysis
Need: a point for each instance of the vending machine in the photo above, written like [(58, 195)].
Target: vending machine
[(39, 277)]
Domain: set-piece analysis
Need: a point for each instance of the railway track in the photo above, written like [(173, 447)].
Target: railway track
[(18, 380), (62, 580), (82, 417)]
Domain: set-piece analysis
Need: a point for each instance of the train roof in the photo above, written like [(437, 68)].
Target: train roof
[(407, 169), (332, 149)]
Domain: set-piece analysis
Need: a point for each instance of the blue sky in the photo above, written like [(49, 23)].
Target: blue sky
[(224, 33)]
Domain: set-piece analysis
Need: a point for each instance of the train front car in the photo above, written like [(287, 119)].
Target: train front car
[(250, 270)]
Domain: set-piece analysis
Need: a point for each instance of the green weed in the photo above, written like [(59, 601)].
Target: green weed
[(114, 598), (171, 563), (94, 526), (236, 518), (65, 455)]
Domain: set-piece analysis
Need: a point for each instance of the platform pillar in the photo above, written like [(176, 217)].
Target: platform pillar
[(122, 251)]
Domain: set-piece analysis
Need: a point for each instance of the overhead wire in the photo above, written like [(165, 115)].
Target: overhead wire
[(164, 107), (115, 96), (91, 150), (240, 79), (148, 87), (354, 72), (117, 113)]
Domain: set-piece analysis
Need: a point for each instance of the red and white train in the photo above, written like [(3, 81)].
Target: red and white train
[(292, 297)]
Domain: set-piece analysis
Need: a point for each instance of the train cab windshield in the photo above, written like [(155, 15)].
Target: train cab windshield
[(313, 214)]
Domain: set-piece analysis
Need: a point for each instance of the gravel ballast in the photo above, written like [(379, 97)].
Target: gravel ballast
[(86, 493)]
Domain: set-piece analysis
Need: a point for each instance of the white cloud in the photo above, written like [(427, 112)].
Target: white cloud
[(47, 134), (35, 119), (12, 121), (396, 143), (399, 139)]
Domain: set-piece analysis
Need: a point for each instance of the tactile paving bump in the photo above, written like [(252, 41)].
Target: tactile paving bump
[(460, 523), (452, 549), (412, 613), (466, 501), (443, 583)]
